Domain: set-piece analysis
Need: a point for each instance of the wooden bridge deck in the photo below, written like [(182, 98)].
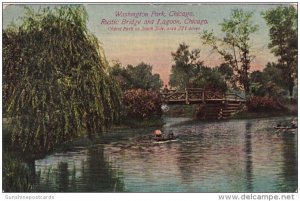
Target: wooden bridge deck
[(198, 96)]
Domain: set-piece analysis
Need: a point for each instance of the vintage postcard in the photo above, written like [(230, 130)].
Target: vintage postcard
[(150, 97)]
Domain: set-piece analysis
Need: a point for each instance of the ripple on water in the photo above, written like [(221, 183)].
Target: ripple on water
[(227, 156)]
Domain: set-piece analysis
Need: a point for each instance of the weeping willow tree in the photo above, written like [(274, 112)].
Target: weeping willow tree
[(56, 84)]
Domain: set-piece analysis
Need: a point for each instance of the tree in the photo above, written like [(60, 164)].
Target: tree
[(136, 77), (142, 77), (258, 83), (227, 73), (121, 76), (55, 79), (210, 79), (272, 72), (284, 41), (186, 66), (234, 47), (267, 82), (141, 99)]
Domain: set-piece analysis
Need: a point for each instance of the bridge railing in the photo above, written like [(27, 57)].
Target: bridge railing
[(194, 94), (198, 95), (211, 95), (187, 95), (235, 97), (174, 96)]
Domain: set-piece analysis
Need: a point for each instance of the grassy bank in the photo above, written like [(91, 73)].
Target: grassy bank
[(287, 109), (255, 115), (16, 174)]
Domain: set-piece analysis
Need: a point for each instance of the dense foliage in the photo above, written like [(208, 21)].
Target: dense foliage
[(268, 82), (55, 79), (263, 104), (16, 175), (186, 67), (284, 41), (136, 77), (142, 104), (210, 79), (189, 72), (234, 47)]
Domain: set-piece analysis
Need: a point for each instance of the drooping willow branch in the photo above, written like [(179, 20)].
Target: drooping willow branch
[(56, 84)]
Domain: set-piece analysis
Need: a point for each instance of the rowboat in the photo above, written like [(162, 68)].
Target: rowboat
[(291, 129), (165, 141), (162, 140), (285, 128)]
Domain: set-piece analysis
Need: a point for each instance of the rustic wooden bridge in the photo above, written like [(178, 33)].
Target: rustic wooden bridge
[(213, 105)]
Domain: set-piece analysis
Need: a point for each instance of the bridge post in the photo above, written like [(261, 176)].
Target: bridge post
[(203, 96), (186, 96)]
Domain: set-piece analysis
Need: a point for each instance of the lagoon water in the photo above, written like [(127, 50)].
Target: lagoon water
[(216, 156)]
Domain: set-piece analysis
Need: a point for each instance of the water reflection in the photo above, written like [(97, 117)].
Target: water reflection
[(62, 178), (187, 170), (248, 156), (78, 172), (98, 175), (226, 156), (289, 171)]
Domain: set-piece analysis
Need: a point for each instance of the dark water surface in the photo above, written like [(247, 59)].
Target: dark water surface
[(220, 156)]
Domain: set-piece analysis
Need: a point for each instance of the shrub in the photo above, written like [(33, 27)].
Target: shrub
[(260, 104), (141, 104)]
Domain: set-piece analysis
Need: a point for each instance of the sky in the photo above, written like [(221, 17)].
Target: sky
[(126, 37)]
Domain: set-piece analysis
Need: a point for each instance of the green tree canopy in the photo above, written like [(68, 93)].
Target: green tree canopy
[(268, 82), (186, 67), (234, 47), (189, 71), (227, 74), (55, 79), (136, 77), (284, 41), (210, 79)]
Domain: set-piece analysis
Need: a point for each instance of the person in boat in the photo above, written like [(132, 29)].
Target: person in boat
[(171, 135), (158, 134), (293, 124), (279, 125)]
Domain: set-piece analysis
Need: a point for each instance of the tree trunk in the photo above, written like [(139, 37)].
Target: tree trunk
[(290, 81), (291, 87), (247, 91)]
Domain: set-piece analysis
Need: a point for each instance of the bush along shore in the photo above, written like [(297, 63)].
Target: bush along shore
[(261, 107)]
